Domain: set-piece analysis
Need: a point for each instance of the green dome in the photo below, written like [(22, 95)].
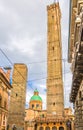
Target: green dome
[(36, 97)]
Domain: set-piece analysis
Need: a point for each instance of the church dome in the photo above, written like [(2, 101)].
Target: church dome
[(36, 96), (35, 101)]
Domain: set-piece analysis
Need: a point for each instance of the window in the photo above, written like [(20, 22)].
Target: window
[(54, 104), (53, 48), (3, 119), (54, 128), (60, 123), (76, 103), (47, 128), (61, 128), (32, 105), (68, 124), (5, 104), (37, 105), (52, 16), (43, 115), (16, 94), (41, 128), (82, 35), (80, 94)]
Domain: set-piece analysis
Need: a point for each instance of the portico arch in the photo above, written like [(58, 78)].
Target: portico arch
[(54, 128), (61, 128), (41, 128), (47, 128)]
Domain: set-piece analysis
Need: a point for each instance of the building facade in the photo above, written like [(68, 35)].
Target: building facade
[(75, 56), (17, 99), (38, 119), (34, 110), (55, 117), (5, 88)]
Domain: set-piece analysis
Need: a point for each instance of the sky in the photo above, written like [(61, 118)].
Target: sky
[(23, 39)]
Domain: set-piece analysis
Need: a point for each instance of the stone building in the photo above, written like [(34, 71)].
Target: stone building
[(5, 88), (75, 56), (17, 99), (34, 110), (54, 117), (36, 118)]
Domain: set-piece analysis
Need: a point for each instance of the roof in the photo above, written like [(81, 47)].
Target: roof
[(36, 97)]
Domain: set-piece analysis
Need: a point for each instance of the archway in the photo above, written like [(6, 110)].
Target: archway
[(68, 123), (61, 128), (41, 128), (54, 128), (47, 128)]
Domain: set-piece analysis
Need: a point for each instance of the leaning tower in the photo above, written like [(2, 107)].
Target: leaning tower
[(17, 98), (55, 98)]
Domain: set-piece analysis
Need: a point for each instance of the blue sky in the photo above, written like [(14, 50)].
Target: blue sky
[(23, 38)]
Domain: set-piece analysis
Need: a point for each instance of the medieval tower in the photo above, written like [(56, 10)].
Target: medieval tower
[(55, 98), (17, 98)]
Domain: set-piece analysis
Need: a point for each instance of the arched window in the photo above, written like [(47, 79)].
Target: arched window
[(5, 104), (54, 128), (68, 123), (82, 35), (35, 126), (32, 105), (47, 128), (37, 105), (41, 128), (61, 128)]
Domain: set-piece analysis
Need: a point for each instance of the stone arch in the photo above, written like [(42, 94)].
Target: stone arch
[(41, 128), (35, 126), (54, 128), (47, 128), (61, 128), (68, 124)]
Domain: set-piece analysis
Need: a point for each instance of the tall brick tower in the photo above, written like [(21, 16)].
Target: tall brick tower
[(17, 99), (55, 98)]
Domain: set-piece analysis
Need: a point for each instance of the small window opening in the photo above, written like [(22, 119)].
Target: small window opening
[(32, 105), (54, 104), (80, 94), (37, 105), (60, 123), (43, 115), (16, 94), (53, 48), (82, 35)]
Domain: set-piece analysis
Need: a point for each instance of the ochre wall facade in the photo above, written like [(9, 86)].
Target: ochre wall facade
[(17, 99)]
